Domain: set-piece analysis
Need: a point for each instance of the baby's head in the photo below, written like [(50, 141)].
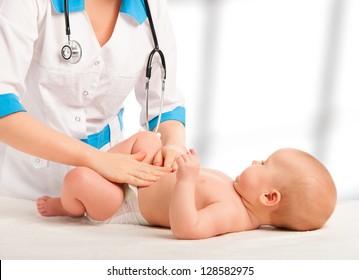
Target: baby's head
[(292, 189)]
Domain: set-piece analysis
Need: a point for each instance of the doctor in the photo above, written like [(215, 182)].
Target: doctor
[(55, 114)]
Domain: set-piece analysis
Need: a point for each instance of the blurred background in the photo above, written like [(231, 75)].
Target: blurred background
[(259, 75)]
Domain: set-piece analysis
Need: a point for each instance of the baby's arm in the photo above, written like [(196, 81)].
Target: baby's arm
[(182, 211), (186, 221)]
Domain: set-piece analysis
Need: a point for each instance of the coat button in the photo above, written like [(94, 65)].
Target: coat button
[(38, 162)]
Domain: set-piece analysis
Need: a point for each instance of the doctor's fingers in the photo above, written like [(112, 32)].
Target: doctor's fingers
[(138, 182), (158, 158), (144, 178), (149, 169), (171, 156), (166, 159), (170, 161), (146, 169)]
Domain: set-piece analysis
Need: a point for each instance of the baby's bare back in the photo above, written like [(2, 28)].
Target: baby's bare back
[(211, 186)]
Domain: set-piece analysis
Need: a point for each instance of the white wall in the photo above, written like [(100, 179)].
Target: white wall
[(259, 75)]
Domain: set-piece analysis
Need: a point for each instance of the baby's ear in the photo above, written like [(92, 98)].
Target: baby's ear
[(270, 198)]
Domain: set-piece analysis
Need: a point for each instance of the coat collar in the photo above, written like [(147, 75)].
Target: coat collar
[(133, 8)]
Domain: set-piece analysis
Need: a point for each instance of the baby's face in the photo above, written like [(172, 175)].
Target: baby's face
[(249, 184), (259, 177)]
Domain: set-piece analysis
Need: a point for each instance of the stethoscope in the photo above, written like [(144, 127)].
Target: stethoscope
[(72, 53)]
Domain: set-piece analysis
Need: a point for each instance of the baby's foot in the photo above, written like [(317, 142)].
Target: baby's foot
[(49, 206)]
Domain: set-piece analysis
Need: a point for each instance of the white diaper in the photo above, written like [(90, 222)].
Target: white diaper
[(129, 212)]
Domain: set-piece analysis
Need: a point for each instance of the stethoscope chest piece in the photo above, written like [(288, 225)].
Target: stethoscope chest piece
[(72, 52)]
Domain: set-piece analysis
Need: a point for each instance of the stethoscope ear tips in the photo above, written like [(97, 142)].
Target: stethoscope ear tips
[(72, 52)]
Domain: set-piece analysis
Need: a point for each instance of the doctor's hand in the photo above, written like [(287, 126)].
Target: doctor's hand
[(167, 156), (122, 168)]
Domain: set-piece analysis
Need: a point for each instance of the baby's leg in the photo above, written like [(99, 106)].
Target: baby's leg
[(83, 191), (86, 191), (50, 206), (142, 141)]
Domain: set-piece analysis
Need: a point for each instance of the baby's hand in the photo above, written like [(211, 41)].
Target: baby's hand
[(188, 166)]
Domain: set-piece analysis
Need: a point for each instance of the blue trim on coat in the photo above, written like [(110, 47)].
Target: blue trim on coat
[(9, 104), (177, 114), (100, 139), (74, 5), (133, 8)]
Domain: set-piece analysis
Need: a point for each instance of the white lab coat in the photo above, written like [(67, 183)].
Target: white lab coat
[(81, 100)]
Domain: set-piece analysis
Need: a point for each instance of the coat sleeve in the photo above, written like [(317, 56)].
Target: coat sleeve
[(18, 32), (174, 103)]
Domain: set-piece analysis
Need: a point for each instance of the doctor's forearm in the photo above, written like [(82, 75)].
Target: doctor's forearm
[(173, 133), (26, 134)]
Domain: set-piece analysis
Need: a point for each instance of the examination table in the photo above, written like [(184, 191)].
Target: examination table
[(24, 234)]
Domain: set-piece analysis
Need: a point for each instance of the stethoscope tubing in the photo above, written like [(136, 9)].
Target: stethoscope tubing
[(149, 70), (72, 52), (67, 19)]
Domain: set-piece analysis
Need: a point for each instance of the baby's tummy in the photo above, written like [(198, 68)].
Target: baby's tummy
[(154, 201)]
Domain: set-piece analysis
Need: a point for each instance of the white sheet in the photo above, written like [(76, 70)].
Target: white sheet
[(26, 235)]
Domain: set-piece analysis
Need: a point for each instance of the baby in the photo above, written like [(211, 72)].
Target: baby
[(291, 189)]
